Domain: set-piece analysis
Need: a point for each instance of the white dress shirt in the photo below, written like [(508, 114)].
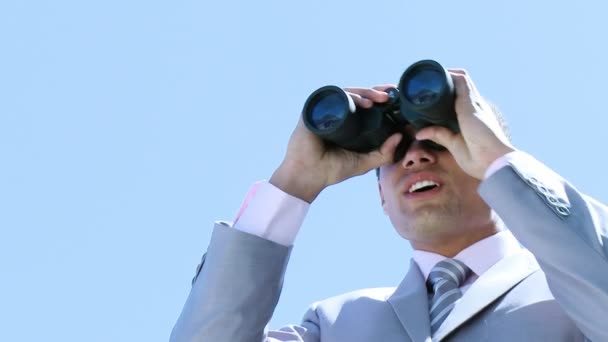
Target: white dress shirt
[(479, 257)]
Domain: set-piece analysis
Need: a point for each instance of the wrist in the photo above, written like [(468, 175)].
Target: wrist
[(490, 166), (297, 182)]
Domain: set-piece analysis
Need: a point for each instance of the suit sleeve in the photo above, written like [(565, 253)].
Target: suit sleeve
[(235, 293), (566, 231)]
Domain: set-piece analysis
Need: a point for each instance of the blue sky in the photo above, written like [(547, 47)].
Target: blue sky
[(128, 128)]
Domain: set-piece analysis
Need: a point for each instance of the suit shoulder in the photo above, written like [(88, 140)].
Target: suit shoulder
[(379, 294), (351, 307)]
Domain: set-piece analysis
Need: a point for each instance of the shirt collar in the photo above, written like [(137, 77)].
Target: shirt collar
[(479, 257)]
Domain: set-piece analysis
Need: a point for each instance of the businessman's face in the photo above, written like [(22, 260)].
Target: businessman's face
[(430, 200)]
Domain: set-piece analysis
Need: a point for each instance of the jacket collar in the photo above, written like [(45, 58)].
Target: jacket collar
[(410, 299)]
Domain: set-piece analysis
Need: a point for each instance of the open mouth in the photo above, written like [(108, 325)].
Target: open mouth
[(422, 186), (425, 188)]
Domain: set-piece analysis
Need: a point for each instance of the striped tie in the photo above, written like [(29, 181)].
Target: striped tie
[(444, 282)]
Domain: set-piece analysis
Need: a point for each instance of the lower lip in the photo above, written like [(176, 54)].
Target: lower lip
[(424, 194)]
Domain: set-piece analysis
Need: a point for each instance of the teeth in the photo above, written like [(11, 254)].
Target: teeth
[(421, 184)]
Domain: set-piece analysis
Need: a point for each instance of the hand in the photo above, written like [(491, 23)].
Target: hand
[(310, 165), (481, 140)]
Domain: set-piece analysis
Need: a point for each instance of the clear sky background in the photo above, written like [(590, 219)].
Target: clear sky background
[(128, 127)]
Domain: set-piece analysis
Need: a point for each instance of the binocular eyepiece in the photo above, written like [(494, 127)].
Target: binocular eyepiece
[(424, 97)]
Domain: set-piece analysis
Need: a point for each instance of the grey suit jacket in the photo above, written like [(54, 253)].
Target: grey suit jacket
[(558, 293)]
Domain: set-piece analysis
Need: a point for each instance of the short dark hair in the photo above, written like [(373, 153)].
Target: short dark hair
[(499, 117)]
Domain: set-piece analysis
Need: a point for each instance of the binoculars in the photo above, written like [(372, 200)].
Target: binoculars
[(424, 97)]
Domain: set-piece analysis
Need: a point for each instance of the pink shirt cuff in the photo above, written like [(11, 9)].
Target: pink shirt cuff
[(499, 163), (272, 214)]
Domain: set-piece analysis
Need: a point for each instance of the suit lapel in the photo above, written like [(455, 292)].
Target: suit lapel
[(495, 282), (410, 303)]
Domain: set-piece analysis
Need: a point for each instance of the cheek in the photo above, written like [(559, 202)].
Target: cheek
[(388, 171), (469, 195), (392, 203)]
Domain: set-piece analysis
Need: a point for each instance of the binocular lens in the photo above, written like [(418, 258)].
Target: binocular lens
[(424, 97), (329, 111), (424, 86)]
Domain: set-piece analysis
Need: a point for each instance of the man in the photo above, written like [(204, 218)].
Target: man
[(469, 279)]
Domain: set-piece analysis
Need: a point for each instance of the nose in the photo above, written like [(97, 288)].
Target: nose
[(417, 156)]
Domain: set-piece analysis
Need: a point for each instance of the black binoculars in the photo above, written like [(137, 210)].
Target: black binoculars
[(424, 97)]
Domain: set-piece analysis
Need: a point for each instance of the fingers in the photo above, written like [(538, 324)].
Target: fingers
[(360, 101), (461, 87), (365, 97), (463, 83), (383, 87), (468, 99), (459, 71), (383, 155), (442, 136), (388, 147)]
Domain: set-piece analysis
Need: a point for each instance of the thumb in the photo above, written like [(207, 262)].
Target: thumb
[(384, 154), (389, 146), (442, 136)]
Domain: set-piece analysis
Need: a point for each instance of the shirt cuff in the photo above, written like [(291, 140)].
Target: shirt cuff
[(272, 214), (499, 163)]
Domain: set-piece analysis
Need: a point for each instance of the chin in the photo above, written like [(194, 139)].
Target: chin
[(428, 226)]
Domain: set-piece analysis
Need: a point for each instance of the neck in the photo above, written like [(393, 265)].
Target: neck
[(450, 246)]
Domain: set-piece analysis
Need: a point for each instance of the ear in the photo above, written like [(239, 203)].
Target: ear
[(382, 201)]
